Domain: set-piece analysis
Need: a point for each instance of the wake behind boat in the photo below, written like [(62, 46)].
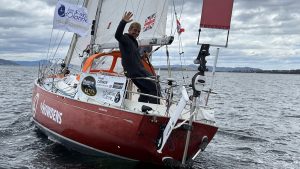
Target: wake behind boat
[(97, 112)]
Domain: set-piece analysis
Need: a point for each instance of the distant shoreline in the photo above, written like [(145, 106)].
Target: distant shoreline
[(242, 70), (173, 68)]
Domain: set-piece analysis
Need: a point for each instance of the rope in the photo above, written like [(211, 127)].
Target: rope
[(139, 15), (181, 55), (58, 44), (180, 45), (49, 43), (168, 61)]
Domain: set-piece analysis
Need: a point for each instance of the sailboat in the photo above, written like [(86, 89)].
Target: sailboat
[(96, 110)]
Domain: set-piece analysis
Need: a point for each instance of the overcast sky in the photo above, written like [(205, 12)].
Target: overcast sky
[(264, 33)]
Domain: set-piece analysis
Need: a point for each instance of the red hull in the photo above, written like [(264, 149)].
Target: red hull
[(113, 131)]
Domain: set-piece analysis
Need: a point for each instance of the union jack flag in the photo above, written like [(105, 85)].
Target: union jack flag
[(149, 22)]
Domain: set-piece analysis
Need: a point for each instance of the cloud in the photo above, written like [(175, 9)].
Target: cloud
[(264, 34)]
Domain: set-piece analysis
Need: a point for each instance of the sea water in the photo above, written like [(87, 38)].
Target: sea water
[(258, 117)]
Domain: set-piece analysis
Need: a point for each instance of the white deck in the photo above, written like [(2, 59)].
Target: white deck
[(69, 87)]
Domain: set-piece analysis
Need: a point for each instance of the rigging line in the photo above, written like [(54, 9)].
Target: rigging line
[(59, 44), (140, 13), (168, 61), (51, 51), (181, 10), (135, 11), (174, 16), (132, 7), (125, 7), (180, 46), (49, 44), (172, 21), (181, 57), (43, 65), (175, 13)]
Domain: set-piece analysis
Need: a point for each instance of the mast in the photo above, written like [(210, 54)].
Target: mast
[(95, 27), (73, 44)]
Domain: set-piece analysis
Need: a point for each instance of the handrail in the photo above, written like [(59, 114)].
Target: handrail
[(157, 97)]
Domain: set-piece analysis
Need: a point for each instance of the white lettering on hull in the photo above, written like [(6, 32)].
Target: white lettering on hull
[(51, 113)]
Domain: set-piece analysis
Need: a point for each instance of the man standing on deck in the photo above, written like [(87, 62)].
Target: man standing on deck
[(131, 59)]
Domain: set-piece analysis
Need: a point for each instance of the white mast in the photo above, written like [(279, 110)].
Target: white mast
[(95, 27)]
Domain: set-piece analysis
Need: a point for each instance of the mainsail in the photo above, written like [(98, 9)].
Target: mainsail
[(152, 15)]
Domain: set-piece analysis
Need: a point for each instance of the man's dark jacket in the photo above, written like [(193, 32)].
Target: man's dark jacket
[(131, 59)]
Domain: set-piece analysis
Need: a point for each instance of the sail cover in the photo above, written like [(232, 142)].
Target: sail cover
[(216, 14)]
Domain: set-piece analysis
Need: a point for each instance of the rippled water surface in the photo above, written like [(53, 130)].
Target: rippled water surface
[(258, 117)]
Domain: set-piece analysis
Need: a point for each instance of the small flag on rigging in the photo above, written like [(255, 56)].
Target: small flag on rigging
[(179, 28), (149, 22)]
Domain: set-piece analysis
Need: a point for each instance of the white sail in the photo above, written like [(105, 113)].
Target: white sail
[(111, 14), (152, 15)]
